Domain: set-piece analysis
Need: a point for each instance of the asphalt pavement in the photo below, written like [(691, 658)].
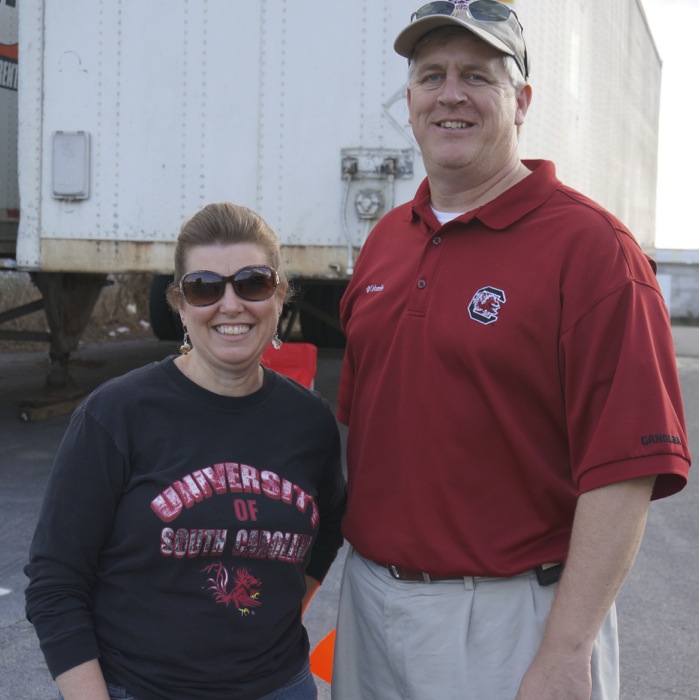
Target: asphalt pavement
[(658, 606)]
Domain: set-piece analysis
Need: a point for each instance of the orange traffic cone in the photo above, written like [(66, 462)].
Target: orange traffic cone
[(322, 658)]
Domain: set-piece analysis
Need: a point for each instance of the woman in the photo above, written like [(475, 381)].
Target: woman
[(194, 505)]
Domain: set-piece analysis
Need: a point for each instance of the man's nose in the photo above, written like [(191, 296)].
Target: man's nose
[(453, 90)]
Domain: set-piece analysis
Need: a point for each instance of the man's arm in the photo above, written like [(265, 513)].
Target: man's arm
[(607, 533)]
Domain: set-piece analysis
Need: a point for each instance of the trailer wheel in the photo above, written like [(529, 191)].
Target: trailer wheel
[(164, 321), (320, 313)]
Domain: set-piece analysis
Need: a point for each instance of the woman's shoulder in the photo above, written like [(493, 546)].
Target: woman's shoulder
[(131, 385), (296, 395)]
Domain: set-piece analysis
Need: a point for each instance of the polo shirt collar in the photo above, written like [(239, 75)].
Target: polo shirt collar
[(513, 204)]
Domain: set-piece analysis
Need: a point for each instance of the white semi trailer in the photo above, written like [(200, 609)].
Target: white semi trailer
[(121, 118)]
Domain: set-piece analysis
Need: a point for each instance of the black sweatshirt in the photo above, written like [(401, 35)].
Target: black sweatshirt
[(175, 532)]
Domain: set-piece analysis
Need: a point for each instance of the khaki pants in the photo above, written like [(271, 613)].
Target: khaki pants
[(471, 639)]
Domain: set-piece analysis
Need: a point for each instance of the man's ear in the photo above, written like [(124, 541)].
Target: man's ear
[(524, 99)]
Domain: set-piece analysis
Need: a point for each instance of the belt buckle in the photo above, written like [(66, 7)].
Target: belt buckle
[(395, 573), (392, 569)]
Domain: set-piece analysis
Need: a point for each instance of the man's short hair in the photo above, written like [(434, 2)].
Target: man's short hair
[(443, 35)]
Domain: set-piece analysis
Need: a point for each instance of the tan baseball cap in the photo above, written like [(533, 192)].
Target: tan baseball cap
[(493, 22)]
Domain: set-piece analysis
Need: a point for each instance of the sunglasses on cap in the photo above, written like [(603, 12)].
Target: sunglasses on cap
[(251, 283), (478, 10)]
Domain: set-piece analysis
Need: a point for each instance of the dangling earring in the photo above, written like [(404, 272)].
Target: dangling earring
[(186, 345), (276, 341)]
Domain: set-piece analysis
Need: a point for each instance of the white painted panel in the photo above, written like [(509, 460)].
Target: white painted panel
[(192, 102)]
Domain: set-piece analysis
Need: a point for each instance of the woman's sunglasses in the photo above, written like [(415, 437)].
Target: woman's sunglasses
[(252, 283), (479, 10)]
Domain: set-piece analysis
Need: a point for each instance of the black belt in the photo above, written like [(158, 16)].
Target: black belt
[(546, 574)]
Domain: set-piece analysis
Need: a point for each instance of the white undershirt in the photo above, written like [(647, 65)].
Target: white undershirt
[(444, 216)]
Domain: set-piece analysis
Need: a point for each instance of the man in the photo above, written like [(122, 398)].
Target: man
[(512, 399)]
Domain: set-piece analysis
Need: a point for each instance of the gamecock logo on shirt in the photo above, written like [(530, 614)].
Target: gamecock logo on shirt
[(485, 305), (244, 593)]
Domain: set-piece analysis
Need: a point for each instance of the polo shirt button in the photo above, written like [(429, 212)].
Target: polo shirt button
[(421, 284), (437, 240)]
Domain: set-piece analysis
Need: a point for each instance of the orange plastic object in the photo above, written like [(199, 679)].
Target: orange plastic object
[(322, 658), (295, 360)]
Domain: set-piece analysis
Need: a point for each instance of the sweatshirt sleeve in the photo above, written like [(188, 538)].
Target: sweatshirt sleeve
[(74, 522), (331, 500)]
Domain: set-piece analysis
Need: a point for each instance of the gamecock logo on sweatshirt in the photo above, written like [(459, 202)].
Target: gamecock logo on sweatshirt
[(244, 592)]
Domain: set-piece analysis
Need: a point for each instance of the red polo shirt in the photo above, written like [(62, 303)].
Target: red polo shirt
[(496, 367)]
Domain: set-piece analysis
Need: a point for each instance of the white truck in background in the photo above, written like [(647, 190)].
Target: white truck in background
[(121, 118)]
